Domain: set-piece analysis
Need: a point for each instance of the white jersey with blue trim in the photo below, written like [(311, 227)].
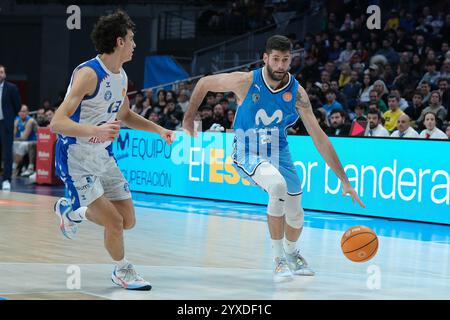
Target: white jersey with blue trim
[(100, 107)]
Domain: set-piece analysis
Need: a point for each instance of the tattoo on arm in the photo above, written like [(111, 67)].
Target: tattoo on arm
[(302, 100)]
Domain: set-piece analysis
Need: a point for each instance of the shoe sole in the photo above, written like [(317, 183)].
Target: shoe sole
[(61, 223), (143, 288)]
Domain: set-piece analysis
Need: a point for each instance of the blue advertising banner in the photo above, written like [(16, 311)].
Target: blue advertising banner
[(404, 179)]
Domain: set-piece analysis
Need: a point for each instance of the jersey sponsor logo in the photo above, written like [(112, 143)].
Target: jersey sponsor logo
[(287, 97), (126, 187), (108, 95), (96, 140), (261, 116), (108, 84), (255, 97), (43, 136), (43, 154)]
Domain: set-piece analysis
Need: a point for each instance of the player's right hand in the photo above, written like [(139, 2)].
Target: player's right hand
[(188, 126), (108, 131)]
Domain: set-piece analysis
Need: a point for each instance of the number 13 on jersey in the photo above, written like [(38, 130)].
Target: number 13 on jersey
[(114, 106)]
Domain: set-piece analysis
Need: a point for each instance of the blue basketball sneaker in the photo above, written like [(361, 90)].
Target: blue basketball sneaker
[(68, 227), (128, 278)]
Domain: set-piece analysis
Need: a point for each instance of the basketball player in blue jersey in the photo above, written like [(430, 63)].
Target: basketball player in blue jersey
[(87, 122), (270, 100)]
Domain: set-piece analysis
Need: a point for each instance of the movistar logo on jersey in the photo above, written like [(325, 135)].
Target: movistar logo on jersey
[(261, 116)]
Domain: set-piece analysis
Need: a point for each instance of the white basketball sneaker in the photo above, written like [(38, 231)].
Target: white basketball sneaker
[(281, 271), (128, 278), (67, 226), (298, 264)]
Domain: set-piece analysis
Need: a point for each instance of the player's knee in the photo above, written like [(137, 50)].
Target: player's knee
[(115, 223), (129, 223), (294, 213), (277, 197), (295, 220), (277, 188)]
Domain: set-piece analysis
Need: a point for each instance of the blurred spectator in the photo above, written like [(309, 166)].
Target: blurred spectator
[(419, 48), (360, 112), (425, 87), (415, 109), (445, 70), (171, 116), (40, 118), (138, 106), (383, 92), (9, 107), (331, 103), (231, 101), (25, 137), (206, 113), (219, 114), (351, 90), (391, 116), (149, 97), (404, 129), (338, 125), (431, 75), (229, 121), (436, 107), (340, 97), (444, 91), (393, 22), (447, 131), (347, 54), (160, 102), (210, 99), (183, 100), (375, 128), (49, 113), (154, 116), (403, 103), (225, 104), (345, 75), (431, 131), (365, 89), (389, 52), (375, 99)]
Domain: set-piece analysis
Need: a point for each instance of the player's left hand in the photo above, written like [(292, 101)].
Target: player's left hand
[(348, 189), (168, 136)]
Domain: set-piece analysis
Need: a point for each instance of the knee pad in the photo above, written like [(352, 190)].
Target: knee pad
[(294, 212), (277, 197)]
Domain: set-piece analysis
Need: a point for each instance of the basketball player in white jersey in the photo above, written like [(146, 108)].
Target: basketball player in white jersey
[(270, 100), (87, 122)]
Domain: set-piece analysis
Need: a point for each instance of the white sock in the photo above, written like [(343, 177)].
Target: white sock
[(277, 248), (121, 263), (78, 215), (289, 246)]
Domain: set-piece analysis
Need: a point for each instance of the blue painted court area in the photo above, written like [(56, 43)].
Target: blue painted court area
[(321, 220)]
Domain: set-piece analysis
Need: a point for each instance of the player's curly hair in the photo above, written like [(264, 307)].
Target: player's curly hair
[(109, 28)]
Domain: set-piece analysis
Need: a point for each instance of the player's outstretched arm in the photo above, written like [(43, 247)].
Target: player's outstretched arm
[(322, 143), (236, 82), (136, 121), (83, 84)]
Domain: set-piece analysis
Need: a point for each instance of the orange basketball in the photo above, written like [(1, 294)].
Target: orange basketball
[(359, 244)]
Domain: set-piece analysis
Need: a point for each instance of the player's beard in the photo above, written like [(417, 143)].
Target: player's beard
[(275, 76), (372, 125)]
